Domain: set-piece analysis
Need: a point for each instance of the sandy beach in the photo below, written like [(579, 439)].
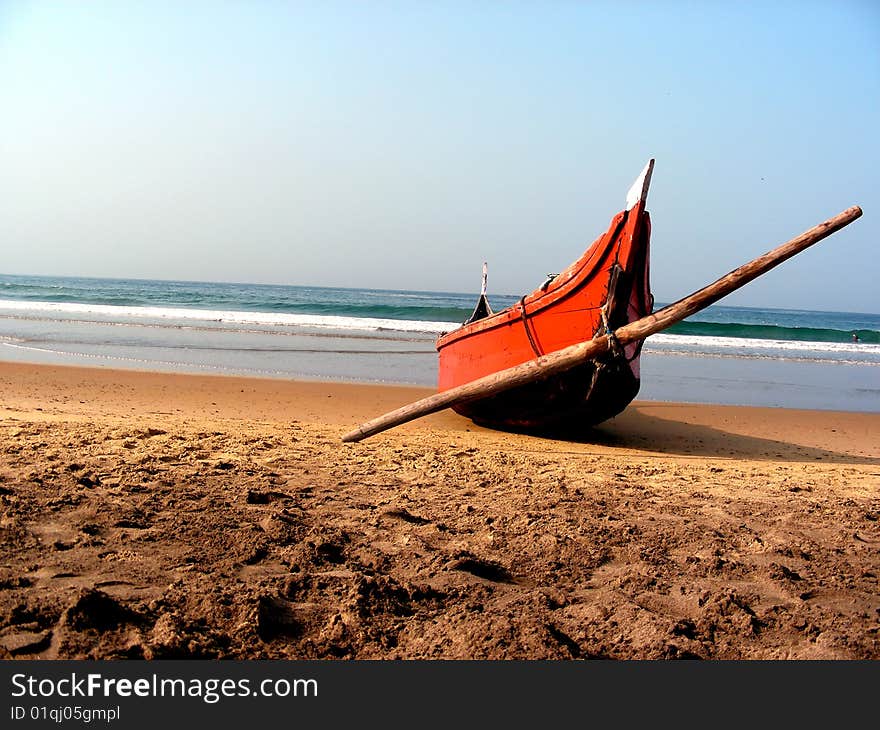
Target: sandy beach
[(155, 515)]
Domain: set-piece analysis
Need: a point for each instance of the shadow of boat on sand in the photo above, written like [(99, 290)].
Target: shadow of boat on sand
[(725, 432)]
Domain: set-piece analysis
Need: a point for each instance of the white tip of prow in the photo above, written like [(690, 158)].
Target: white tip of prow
[(638, 193)]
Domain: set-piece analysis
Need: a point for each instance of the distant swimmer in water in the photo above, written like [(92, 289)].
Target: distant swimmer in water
[(855, 337)]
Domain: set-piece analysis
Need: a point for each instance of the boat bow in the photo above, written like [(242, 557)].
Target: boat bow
[(605, 288)]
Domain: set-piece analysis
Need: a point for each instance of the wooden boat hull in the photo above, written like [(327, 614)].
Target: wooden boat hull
[(607, 287), (554, 364), (577, 399)]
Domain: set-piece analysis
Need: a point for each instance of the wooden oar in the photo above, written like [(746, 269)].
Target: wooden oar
[(561, 360)]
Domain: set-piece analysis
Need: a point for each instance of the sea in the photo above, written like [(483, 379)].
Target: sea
[(726, 355)]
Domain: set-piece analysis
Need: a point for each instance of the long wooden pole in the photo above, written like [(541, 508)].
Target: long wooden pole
[(568, 357)]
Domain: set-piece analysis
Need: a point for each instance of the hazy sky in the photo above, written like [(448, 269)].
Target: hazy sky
[(399, 144)]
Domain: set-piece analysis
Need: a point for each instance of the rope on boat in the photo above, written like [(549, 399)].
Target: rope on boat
[(615, 352), (522, 308), (614, 346)]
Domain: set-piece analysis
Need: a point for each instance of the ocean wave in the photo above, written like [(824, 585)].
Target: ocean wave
[(768, 331), (275, 319), (664, 341), (667, 342)]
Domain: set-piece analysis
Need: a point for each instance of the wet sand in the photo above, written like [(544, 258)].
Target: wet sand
[(172, 516)]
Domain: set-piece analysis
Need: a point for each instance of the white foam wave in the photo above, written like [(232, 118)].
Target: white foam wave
[(275, 319), (663, 341)]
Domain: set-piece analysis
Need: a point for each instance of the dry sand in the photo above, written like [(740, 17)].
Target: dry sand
[(175, 516)]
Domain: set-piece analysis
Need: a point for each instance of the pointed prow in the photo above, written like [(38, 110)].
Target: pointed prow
[(482, 310), (638, 193)]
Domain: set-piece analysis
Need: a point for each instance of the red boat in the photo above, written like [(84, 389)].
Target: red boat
[(606, 288)]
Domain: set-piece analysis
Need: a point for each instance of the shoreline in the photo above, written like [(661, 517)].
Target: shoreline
[(732, 431), (173, 516), (666, 376)]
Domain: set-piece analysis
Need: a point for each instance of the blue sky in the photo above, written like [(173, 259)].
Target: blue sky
[(400, 144)]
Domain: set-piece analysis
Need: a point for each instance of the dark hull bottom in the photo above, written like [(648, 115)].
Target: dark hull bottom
[(565, 403)]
